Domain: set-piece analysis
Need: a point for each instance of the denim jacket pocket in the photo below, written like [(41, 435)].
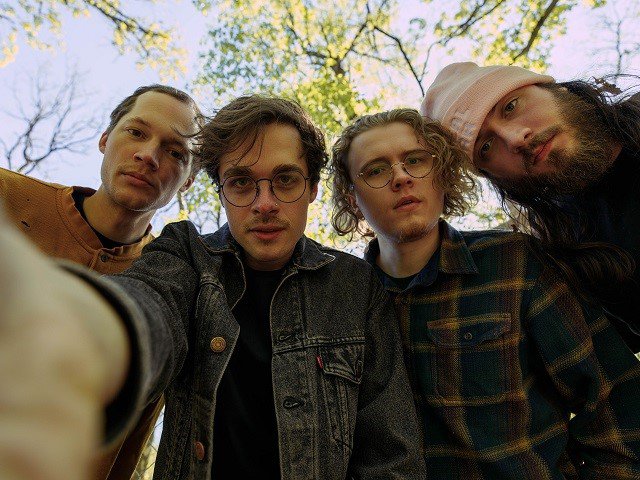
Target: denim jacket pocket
[(472, 360), (341, 367)]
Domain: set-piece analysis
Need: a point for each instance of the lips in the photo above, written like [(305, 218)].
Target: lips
[(267, 228), (267, 233), (140, 177), (404, 201), (542, 151)]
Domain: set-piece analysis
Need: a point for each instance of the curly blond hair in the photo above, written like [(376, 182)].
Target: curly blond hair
[(449, 172)]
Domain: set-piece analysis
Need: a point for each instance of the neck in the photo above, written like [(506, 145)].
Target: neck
[(114, 221), (404, 259)]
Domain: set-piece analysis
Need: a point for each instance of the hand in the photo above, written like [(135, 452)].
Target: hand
[(55, 371)]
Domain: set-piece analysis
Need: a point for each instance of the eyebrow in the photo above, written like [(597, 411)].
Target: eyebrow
[(404, 154), (180, 139), (241, 170)]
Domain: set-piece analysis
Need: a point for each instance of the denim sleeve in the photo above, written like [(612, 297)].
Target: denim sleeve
[(596, 376), (154, 299), (386, 438)]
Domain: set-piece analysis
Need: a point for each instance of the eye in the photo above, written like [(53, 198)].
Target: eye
[(375, 169), (135, 132), (484, 149), (286, 180), (178, 155), (239, 182), (414, 161), (510, 106)]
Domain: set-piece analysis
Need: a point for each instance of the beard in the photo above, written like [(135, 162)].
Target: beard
[(412, 232), (576, 167)]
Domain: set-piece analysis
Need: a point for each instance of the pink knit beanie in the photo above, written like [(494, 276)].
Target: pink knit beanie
[(462, 95)]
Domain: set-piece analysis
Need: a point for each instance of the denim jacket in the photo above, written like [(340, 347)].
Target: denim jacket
[(344, 407)]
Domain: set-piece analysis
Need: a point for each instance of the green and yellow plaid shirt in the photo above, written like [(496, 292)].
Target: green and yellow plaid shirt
[(514, 377)]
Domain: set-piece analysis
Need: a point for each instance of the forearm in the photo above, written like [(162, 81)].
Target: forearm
[(63, 356), (103, 329)]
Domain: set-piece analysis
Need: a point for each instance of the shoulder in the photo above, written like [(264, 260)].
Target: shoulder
[(496, 242), (13, 180), (503, 253), (344, 271), (341, 259)]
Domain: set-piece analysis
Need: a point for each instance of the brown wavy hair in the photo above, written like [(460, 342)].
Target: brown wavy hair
[(449, 172), (245, 118)]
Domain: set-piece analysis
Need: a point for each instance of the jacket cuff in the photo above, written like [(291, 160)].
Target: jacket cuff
[(122, 412)]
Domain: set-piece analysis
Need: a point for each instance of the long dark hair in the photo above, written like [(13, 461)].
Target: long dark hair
[(563, 235)]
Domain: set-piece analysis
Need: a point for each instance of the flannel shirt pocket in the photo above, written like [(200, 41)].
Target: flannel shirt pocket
[(342, 368), (471, 360)]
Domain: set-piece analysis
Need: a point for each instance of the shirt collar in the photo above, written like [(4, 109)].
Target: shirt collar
[(451, 257)]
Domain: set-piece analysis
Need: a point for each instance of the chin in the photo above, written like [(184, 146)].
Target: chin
[(412, 233)]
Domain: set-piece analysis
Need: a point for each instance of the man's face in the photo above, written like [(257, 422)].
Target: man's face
[(407, 209), (268, 229), (535, 138), (146, 160)]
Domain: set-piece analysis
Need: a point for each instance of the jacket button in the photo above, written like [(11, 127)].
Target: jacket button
[(199, 448), (468, 336), (218, 344), (104, 257)]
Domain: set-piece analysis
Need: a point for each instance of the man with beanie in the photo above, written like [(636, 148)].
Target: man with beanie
[(146, 160), (568, 156)]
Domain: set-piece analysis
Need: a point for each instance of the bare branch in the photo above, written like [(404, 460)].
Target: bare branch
[(536, 30), (48, 124), (474, 17), (406, 58), (118, 18)]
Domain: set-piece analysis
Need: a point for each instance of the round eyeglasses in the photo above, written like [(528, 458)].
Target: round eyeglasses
[(378, 174), (242, 190)]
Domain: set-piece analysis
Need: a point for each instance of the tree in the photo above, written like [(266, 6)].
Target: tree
[(623, 40), (49, 123), (153, 43)]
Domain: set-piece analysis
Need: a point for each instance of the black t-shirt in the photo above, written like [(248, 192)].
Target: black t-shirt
[(245, 444), (78, 198)]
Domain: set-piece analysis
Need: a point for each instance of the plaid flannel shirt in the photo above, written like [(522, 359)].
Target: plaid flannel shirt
[(514, 377)]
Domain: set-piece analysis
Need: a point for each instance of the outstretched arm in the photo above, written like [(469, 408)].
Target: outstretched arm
[(63, 356)]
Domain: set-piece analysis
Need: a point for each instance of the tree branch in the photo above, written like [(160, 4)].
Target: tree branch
[(536, 30)]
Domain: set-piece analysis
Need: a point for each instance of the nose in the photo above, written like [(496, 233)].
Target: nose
[(516, 137), (149, 154), (266, 201), (399, 176)]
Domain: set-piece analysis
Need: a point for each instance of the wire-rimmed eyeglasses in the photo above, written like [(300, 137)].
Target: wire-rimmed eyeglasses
[(242, 190), (378, 174)]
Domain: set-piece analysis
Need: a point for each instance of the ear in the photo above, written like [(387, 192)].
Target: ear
[(353, 203), (102, 143), (313, 193), (187, 184)]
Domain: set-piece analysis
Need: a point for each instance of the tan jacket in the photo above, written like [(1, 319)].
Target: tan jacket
[(46, 213)]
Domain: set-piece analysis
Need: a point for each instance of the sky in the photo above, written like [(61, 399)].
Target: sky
[(107, 76)]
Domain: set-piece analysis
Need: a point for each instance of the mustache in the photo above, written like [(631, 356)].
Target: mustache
[(262, 220), (538, 140)]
